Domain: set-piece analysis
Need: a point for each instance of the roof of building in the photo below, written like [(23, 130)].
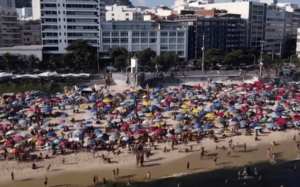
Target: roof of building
[(23, 47), (172, 16)]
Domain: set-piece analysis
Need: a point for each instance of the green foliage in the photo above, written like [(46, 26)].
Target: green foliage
[(119, 56), (267, 60), (166, 60), (296, 62), (240, 56), (213, 56), (146, 55)]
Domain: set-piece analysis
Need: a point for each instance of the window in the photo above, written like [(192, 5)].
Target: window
[(106, 33), (124, 33), (106, 47), (135, 47), (180, 40), (144, 34), (114, 33), (124, 40), (144, 47), (135, 40), (172, 34), (180, 34), (152, 34), (164, 34), (164, 40), (115, 40), (135, 33), (144, 40), (180, 46), (164, 47), (172, 40), (127, 14), (180, 53), (152, 40), (106, 40), (127, 19), (112, 14), (153, 47), (172, 47)]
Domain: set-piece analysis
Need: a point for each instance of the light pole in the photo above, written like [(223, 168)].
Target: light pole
[(98, 59), (280, 44), (254, 59), (203, 48), (261, 55)]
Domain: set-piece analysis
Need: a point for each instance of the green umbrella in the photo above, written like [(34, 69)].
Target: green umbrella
[(20, 144), (222, 119), (3, 115)]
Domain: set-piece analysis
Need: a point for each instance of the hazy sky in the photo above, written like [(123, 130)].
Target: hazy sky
[(152, 3)]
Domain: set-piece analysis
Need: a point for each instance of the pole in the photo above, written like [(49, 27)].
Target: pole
[(203, 48), (98, 59), (280, 45)]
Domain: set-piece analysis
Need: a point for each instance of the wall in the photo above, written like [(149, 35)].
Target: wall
[(36, 9)]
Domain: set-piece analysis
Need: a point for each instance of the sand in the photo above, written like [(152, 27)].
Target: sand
[(80, 168)]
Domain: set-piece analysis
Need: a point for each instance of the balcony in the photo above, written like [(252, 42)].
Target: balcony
[(83, 23), (84, 37), (49, 16), (82, 16), (50, 44), (81, 9), (49, 8), (47, 37), (83, 30), (49, 23), (48, 1), (82, 1)]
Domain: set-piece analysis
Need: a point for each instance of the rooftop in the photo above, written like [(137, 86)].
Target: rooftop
[(23, 47)]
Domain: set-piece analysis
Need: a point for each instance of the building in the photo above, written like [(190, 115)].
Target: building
[(123, 13), (8, 3), (31, 32), (298, 43), (65, 21), (10, 30), (218, 32), (161, 10), (20, 51), (253, 12), (140, 35), (36, 9), (24, 13)]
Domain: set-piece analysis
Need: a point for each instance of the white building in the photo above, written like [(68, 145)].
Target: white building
[(24, 13), (24, 51), (140, 35), (161, 10), (65, 21), (298, 43), (122, 13)]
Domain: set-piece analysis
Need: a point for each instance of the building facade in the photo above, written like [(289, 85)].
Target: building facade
[(65, 21), (31, 32), (24, 13), (123, 13), (8, 3), (140, 35), (298, 43), (222, 33), (10, 30)]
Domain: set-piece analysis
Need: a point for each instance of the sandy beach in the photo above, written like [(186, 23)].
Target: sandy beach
[(79, 168)]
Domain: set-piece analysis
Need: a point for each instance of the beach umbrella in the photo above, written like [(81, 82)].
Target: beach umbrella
[(40, 143), (20, 144), (210, 115), (3, 140), (15, 150), (184, 106), (139, 132), (64, 116), (9, 142), (196, 110), (208, 127), (46, 119), (147, 103), (107, 100), (197, 126), (149, 115), (11, 132), (125, 138), (107, 108), (157, 125), (124, 127), (102, 104), (136, 127), (159, 131), (3, 115), (36, 127), (152, 129), (61, 126), (18, 138), (178, 130), (258, 128), (22, 122), (281, 120), (51, 134), (57, 141)]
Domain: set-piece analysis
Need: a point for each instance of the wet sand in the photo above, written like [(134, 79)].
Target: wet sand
[(160, 168)]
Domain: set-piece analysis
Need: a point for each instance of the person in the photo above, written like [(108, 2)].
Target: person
[(46, 181), (295, 167), (128, 183), (12, 176), (63, 161), (148, 176), (273, 159), (228, 154), (117, 172), (94, 179), (104, 181), (48, 167), (269, 153), (215, 160), (114, 174), (188, 166)]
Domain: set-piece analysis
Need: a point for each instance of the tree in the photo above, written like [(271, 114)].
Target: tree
[(278, 65), (166, 60), (31, 62), (146, 55), (241, 56), (119, 56), (296, 62), (213, 56), (8, 61)]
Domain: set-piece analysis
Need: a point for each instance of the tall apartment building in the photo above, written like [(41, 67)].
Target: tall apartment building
[(10, 30), (140, 35), (31, 32), (122, 13), (8, 3), (65, 21), (223, 32)]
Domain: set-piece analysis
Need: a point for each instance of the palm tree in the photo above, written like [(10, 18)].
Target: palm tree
[(8, 61), (32, 62)]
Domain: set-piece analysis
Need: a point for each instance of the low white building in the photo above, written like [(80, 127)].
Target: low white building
[(123, 13), (161, 10), (20, 51), (24, 13)]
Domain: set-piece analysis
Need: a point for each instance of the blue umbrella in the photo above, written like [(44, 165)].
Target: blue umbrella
[(197, 126), (252, 124), (48, 110), (125, 138), (51, 134), (64, 115), (231, 108), (106, 109), (98, 131), (81, 136), (136, 127), (153, 107), (88, 122), (61, 126), (168, 108), (181, 96), (57, 141), (89, 142), (208, 127), (180, 118), (198, 130)]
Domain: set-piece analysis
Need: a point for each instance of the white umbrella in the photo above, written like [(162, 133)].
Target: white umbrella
[(33, 127), (11, 132)]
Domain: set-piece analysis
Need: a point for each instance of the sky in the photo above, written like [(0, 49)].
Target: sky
[(152, 3)]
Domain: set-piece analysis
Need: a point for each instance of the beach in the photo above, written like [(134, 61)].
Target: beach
[(79, 168)]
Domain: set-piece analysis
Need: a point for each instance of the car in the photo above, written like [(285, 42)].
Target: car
[(111, 68)]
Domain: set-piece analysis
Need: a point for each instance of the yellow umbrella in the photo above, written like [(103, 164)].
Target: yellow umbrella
[(149, 115), (82, 105), (211, 115), (2, 100), (31, 139), (196, 110), (70, 119), (147, 103), (184, 106), (107, 100), (4, 140), (157, 125)]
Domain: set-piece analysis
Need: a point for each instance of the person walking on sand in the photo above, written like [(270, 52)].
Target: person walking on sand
[(46, 181), (188, 166), (272, 161), (215, 160), (94, 179), (48, 167), (269, 153), (148, 176), (117, 172), (114, 174), (12, 176)]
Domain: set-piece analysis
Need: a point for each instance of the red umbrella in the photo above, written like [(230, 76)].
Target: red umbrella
[(140, 107), (101, 104), (173, 137), (245, 110), (297, 119), (140, 131), (129, 134), (220, 114), (9, 142), (18, 138), (259, 114), (64, 143), (40, 100), (281, 120), (152, 129), (132, 122), (258, 108), (124, 127), (167, 103), (159, 131), (231, 100), (62, 121), (38, 135)]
